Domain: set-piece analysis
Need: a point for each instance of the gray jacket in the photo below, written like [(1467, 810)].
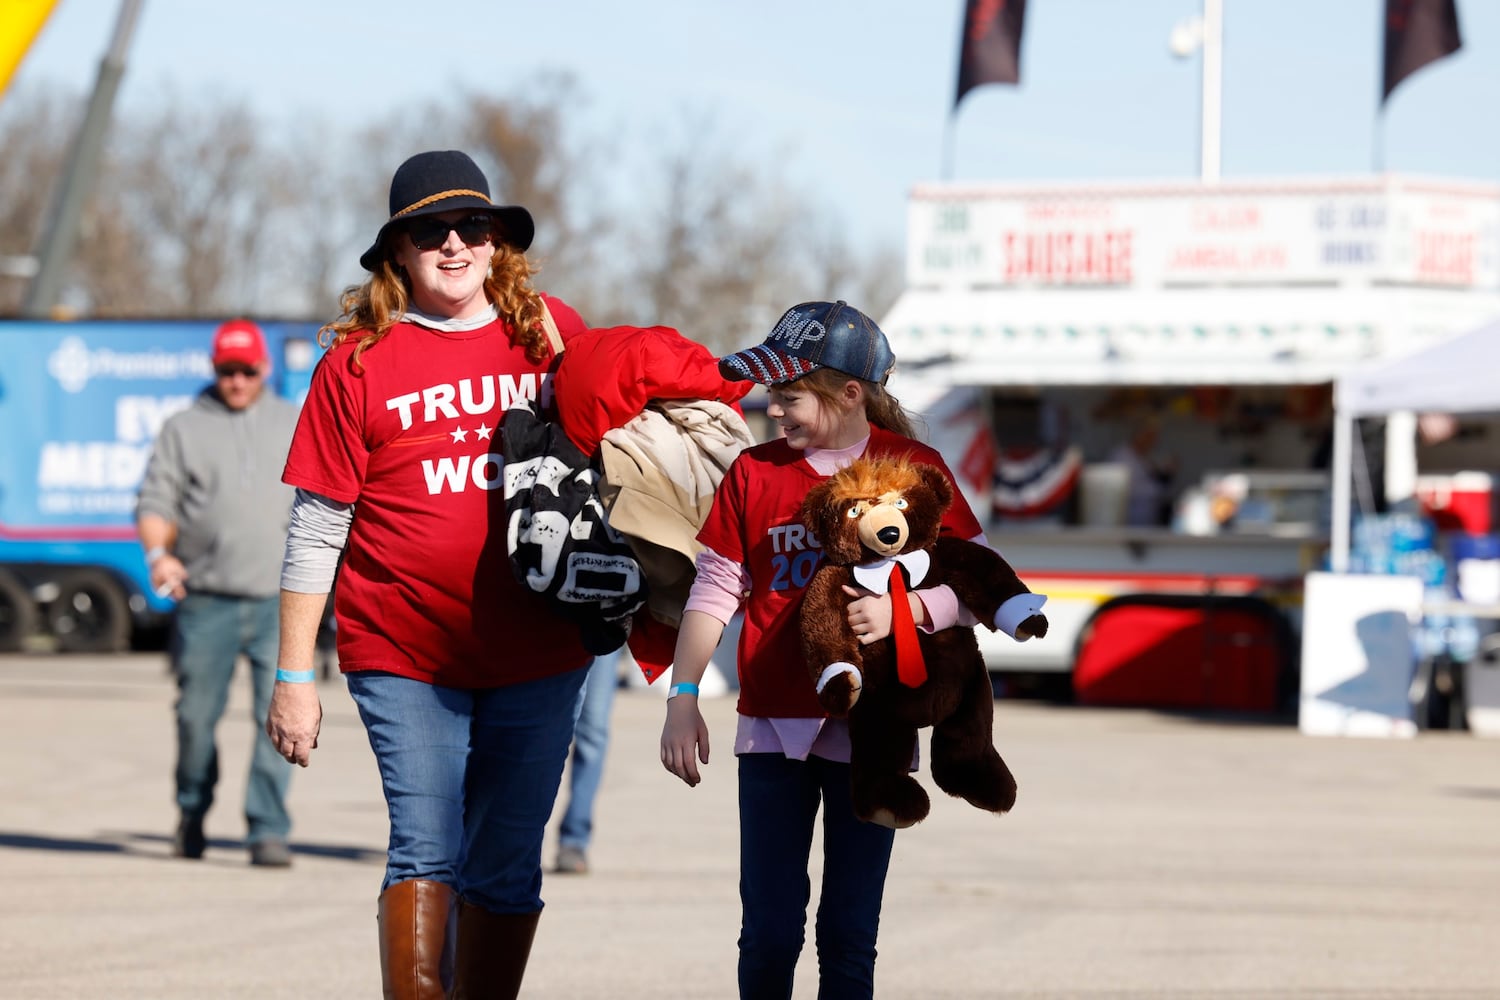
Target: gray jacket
[(216, 474)]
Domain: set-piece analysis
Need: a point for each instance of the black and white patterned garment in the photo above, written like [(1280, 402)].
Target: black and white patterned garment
[(558, 534)]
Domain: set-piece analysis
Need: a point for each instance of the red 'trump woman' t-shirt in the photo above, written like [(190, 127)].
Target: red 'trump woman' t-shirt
[(411, 438)]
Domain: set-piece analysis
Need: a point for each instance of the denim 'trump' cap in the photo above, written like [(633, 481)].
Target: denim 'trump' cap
[(815, 335)]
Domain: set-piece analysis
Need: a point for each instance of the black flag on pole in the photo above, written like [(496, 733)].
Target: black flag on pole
[(1417, 32), (991, 49)]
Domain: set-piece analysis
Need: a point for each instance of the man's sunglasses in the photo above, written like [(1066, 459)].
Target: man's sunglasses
[(429, 232), (230, 371)]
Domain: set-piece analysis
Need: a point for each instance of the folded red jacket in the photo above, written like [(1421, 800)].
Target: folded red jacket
[(607, 376)]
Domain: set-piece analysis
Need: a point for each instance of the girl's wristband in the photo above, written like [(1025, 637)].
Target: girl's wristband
[(296, 676), (683, 688)]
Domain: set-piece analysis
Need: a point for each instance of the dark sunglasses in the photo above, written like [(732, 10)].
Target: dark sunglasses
[(230, 371), (428, 232)]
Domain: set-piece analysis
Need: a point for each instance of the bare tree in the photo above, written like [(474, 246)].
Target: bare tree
[(202, 184), (870, 279), (174, 226), (523, 143), (519, 141), (198, 212), (324, 214), (34, 130), (725, 245), (119, 277)]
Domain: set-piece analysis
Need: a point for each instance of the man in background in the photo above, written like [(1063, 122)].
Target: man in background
[(1149, 500), (590, 747), (212, 515)]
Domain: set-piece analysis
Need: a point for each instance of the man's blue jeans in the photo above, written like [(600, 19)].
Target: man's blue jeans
[(779, 801), (208, 636), (590, 744), (470, 778)]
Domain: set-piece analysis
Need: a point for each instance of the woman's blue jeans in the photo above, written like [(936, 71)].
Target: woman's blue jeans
[(209, 633), (779, 801), (470, 778), (590, 745)]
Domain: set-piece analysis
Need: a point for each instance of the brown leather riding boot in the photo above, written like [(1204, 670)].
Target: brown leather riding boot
[(492, 953), (414, 937)]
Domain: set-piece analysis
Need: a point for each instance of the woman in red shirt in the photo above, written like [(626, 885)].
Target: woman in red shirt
[(467, 682)]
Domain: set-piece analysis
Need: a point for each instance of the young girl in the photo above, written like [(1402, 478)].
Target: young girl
[(825, 365)]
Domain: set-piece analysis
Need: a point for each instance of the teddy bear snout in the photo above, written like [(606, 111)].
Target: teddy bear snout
[(883, 530)]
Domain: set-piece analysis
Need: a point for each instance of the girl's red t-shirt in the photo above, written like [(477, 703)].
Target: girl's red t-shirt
[(754, 521)]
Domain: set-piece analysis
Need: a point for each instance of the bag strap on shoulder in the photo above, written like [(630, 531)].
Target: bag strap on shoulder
[(554, 336)]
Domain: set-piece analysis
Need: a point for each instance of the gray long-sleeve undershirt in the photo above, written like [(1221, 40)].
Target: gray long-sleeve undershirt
[(320, 526), (314, 541)]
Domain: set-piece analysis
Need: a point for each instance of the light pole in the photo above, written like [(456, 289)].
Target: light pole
[(1205, 31), (56, 246)]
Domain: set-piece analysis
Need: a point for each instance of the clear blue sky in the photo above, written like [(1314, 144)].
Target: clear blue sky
[(853, 97)]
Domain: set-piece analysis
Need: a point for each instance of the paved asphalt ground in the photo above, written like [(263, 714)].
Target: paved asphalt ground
[(1148, 856)]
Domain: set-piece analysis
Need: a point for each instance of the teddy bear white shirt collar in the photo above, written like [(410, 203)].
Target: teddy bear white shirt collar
[(876, 576)]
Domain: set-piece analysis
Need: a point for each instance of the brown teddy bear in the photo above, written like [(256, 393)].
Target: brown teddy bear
[(870, 517)]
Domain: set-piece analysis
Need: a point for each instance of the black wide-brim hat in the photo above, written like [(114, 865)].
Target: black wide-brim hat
[(443, 180)]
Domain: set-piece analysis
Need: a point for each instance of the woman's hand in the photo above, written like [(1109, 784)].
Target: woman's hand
[(293, 721), (684, 738)]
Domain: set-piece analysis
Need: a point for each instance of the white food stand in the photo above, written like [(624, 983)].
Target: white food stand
[(1257, 283)]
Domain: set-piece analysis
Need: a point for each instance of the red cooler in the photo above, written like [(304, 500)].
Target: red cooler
[(1214, 653), (1459, 501)]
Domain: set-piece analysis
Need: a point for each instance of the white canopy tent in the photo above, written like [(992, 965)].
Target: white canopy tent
[(1457, 375)]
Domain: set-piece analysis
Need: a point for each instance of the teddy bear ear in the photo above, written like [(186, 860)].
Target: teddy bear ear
[(934, 479), (813, 505)]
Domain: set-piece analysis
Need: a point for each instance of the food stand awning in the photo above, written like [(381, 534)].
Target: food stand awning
[(1197, 336)]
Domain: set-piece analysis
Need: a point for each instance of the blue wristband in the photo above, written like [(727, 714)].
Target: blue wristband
[(683, 688), (296, 676)]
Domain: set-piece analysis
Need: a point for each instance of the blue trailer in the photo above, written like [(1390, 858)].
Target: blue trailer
[(80, 405)]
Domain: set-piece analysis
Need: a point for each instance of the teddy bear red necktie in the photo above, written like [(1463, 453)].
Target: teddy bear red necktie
[(911, 668)]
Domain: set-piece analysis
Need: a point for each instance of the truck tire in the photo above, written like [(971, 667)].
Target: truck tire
[(18, 614), (90, 613)]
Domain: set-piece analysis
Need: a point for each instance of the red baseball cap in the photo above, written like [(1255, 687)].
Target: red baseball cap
[(239, 341)]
